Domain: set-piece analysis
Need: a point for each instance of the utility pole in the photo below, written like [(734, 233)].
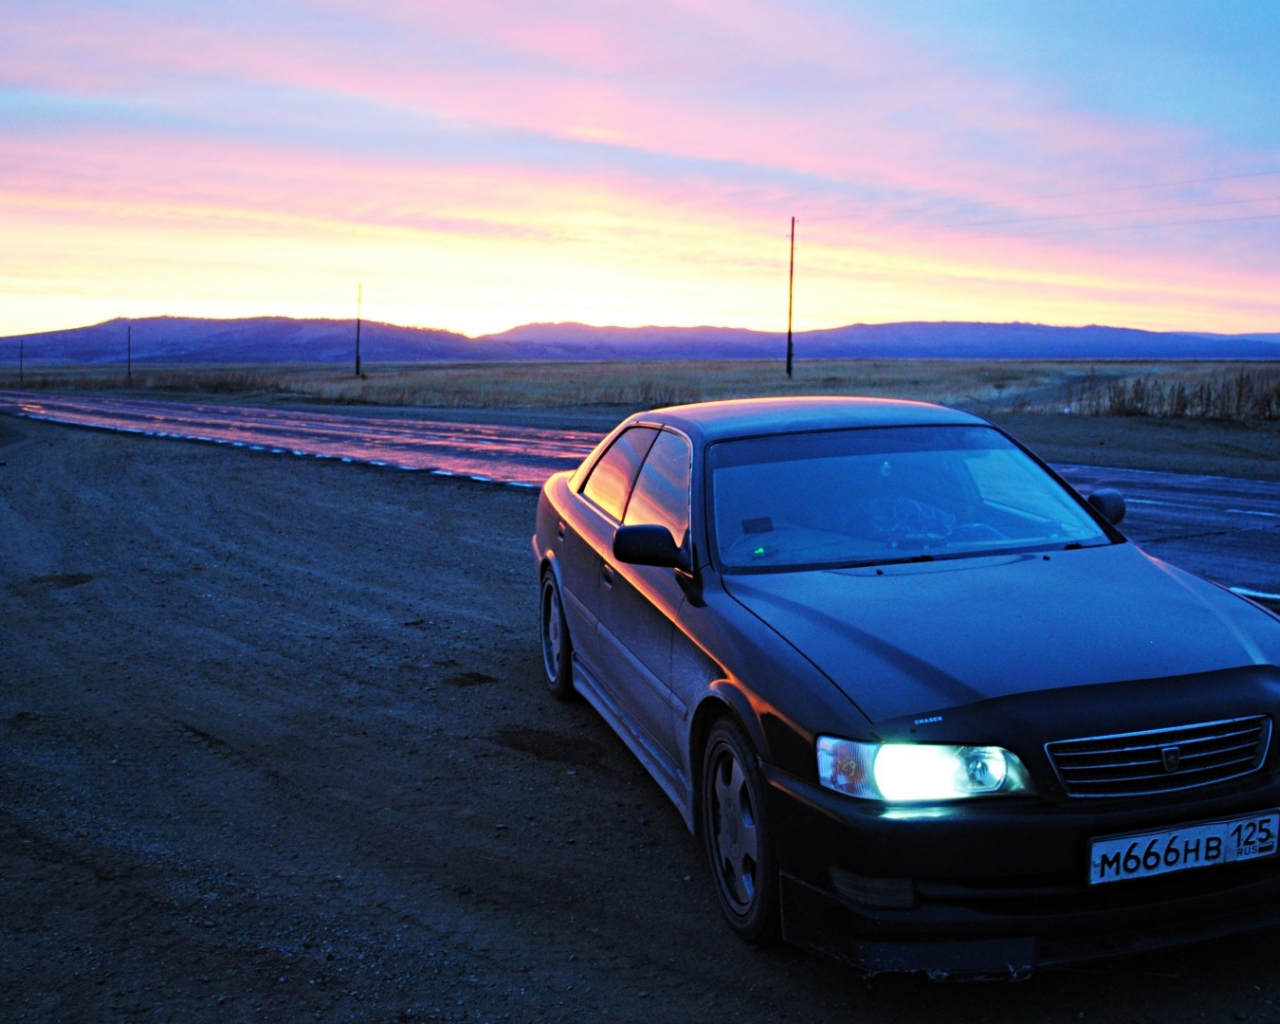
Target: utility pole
[(359, 304), (128, 341), (22, 344), (791, 289)]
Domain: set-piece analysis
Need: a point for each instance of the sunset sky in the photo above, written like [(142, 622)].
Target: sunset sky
[(479, 164)]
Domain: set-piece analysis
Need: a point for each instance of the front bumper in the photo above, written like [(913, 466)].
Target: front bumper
[(999, 887)]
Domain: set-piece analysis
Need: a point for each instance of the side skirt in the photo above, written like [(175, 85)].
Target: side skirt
[(664, 772)]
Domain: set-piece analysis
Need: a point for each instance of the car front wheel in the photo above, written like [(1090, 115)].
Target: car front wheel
[(735, 833)]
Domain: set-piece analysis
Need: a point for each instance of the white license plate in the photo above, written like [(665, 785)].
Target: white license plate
[(1202, 845)]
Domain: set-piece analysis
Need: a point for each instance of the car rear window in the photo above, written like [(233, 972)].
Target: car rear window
[(661, 494), (611, 478)]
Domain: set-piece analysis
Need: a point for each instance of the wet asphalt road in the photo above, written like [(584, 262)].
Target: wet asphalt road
[(519, 455), (1223, 528)]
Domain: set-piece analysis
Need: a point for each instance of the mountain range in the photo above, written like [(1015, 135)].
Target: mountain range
[(284, 340)]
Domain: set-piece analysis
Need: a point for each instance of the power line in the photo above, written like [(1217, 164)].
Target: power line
[(1161, 184), (1110, 213), (1099, 192), (1153, 224)]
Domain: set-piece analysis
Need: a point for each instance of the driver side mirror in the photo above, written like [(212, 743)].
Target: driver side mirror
[(646, 545), (1110, 503)]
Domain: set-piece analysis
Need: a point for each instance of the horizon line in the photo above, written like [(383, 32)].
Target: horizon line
[(640, 327)]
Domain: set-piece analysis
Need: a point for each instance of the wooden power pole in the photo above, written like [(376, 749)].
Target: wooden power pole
[(359, 304), (128, 342), (791, 290), (22, 344)]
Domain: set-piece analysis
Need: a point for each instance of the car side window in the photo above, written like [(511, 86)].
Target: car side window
[(661, 494), (611, 478)]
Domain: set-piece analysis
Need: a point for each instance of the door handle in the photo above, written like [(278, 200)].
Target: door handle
[(606, 575), (559, 531)]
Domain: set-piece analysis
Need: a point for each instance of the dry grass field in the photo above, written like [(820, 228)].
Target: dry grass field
[(1197, 390)]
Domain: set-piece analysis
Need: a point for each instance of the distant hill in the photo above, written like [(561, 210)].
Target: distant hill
[(887, 341), (284, 340), (271, 339)]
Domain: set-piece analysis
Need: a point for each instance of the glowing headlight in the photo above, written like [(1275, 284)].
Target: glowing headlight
[(904, 772)]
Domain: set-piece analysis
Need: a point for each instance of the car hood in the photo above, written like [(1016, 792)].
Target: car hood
[(910, 639)]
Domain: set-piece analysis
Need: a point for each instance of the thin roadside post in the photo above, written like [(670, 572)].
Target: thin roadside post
[(359, 304), (791, 289), (22, 344), (128, 342)]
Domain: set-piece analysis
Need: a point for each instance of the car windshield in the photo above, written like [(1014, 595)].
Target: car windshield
[(873, 496)]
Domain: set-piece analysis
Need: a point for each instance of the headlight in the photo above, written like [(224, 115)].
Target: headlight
[(904, 772)]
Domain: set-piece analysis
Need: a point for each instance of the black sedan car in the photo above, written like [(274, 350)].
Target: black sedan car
[(925, 706)]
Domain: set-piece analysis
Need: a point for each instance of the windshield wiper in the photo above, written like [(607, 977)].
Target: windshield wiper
[(873, 562)]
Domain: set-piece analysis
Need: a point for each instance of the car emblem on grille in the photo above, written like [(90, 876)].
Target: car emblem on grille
[(1169, 757)]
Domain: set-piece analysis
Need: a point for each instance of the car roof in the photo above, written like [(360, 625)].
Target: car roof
[(752, 417)]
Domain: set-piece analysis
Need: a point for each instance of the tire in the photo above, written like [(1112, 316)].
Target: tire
[(735, 833), (557, 651)]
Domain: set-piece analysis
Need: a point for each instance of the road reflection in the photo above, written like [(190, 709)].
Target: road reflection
[(523, 456)]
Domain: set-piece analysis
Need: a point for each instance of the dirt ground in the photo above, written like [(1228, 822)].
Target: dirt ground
[(274, 746)]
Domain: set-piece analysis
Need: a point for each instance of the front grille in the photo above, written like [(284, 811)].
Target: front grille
[(1162, 760)]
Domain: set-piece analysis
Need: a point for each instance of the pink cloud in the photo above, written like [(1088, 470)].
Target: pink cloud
[(693, 81)]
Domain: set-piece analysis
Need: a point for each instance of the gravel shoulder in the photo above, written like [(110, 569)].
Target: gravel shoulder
[(274, 746), (1248, 450)]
